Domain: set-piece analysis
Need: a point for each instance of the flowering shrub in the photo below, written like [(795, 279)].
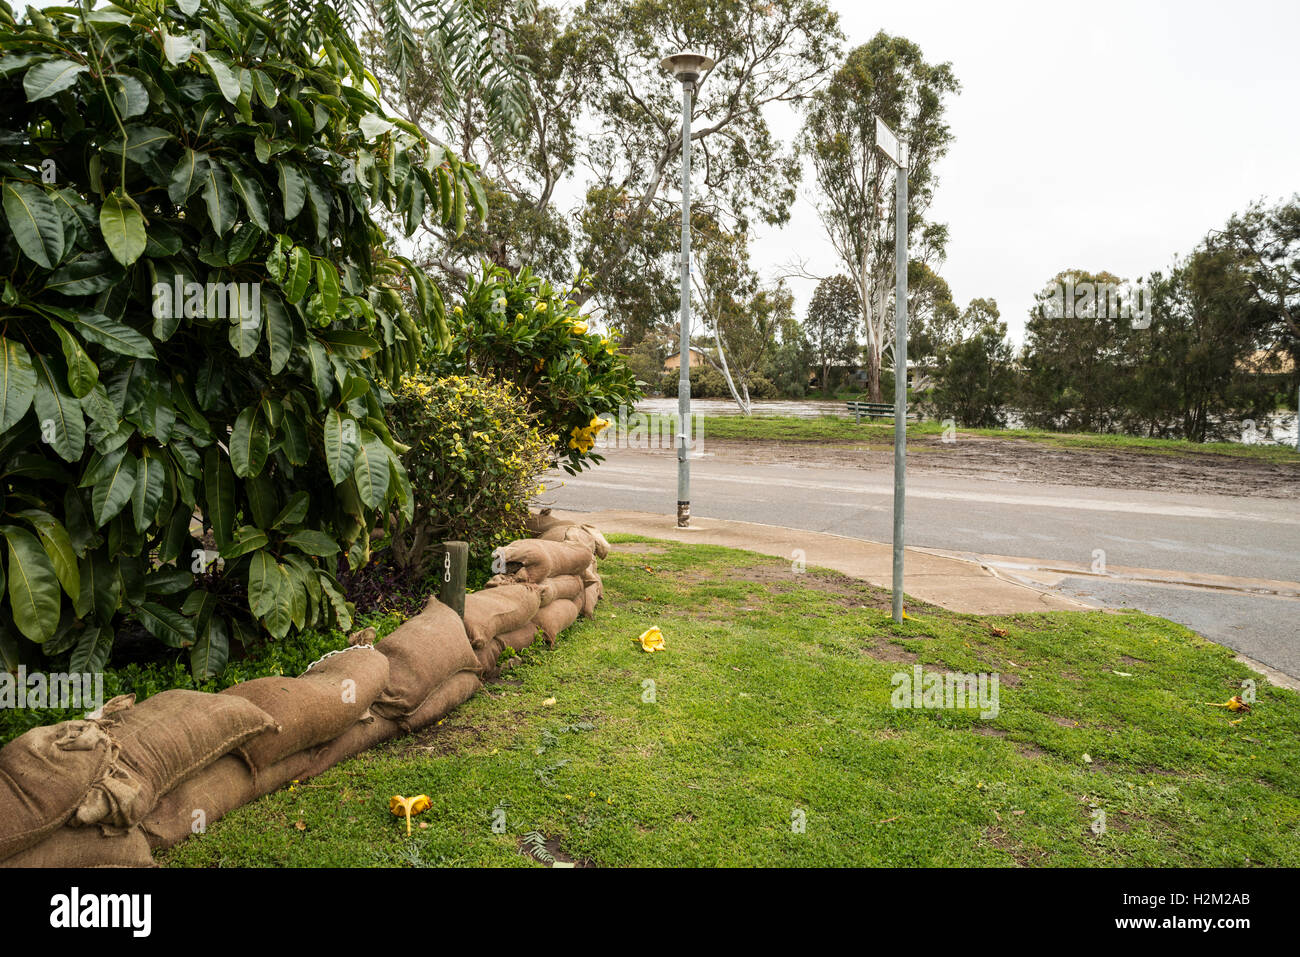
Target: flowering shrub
[(474, 460), (523, 330)]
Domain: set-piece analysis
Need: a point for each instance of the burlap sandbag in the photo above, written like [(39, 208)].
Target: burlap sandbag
[(493, 611), (536, 559), (194, 805), (422, 653), (453, 692), (589, 574), (164, 740), (556, 617), (44, 774), (520, 638), (540, 521), (315, 707), (590, 596), (362, 736), (86, 847), (565, 586), (489, 656), (588, 536)]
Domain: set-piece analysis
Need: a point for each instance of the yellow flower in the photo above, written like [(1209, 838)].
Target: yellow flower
[(579, 328), (652, 639), (398, 805), (458, 311), (540, 307)]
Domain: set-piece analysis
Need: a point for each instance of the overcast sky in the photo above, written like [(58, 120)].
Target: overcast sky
[(1098, 135)]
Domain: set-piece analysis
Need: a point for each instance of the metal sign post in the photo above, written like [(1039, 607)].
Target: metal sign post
[(890, 145)]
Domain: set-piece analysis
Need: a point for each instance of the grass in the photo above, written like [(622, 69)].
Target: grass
[(771, 704), (829, 428)]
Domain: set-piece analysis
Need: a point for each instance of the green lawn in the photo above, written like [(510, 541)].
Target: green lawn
[(771, 700), (829, 428)]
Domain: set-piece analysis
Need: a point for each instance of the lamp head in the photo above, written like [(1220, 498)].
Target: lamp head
[(687, 67)]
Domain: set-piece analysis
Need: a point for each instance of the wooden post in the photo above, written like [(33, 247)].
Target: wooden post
[(451, 583)]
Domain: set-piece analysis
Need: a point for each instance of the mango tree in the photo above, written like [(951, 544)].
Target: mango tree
[(199, 320)]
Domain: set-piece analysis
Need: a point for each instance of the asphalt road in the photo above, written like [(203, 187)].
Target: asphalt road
[(1242, 537)]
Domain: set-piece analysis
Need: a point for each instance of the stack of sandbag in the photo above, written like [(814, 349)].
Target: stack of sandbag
[(548, 527), (432, 668), (501, 617), (317, 707), (76, 794), (547, 583), (45, 774)]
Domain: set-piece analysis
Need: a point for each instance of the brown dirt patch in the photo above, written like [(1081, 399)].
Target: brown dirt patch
[(1039, 463), (638, 548), (890, 652), (555, 850)]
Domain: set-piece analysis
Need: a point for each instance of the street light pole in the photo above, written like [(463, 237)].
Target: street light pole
[(891, 146), (687, 68)]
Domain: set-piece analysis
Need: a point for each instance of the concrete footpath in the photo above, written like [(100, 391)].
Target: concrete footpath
[(952, 583)]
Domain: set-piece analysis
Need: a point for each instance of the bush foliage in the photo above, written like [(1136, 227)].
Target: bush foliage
[(474, 461), (521, 329), (222, 151)]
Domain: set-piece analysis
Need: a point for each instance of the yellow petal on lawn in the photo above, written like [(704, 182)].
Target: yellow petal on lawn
[(549, 703), (399, 806), (652, 639)]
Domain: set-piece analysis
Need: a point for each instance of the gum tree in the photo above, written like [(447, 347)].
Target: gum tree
[(885, 78), (199, 321)]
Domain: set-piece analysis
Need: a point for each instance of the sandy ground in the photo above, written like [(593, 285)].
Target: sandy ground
[(1020, 460)]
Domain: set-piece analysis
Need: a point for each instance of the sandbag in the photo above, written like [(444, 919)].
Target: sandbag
[(86, 847), (493, 611), (453, 692), (488, 658), (422, 652), (587, 536), (565, 586), (44, 774), (541, 521), (589, 574), (556, 617), (194, 805), (520, 638), (318, 706), (164, 740), (590, 596), (362, 736), (536, 559)]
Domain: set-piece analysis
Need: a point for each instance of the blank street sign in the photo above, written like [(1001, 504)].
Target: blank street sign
[(888, 144)]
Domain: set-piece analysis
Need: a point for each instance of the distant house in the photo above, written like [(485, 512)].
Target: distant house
[(1264, 362), (698, 358)]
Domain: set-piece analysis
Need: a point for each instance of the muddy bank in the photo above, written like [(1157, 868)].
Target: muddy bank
[(1021, 460)]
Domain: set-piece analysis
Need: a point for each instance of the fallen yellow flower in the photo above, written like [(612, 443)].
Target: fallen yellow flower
[(398, 805), (1232, 704), (652, 639)]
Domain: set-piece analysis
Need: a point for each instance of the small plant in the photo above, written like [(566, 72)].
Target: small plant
[(535, 844)]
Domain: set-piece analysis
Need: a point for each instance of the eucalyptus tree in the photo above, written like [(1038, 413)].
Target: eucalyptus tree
[(602, 131), (886, 78)]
